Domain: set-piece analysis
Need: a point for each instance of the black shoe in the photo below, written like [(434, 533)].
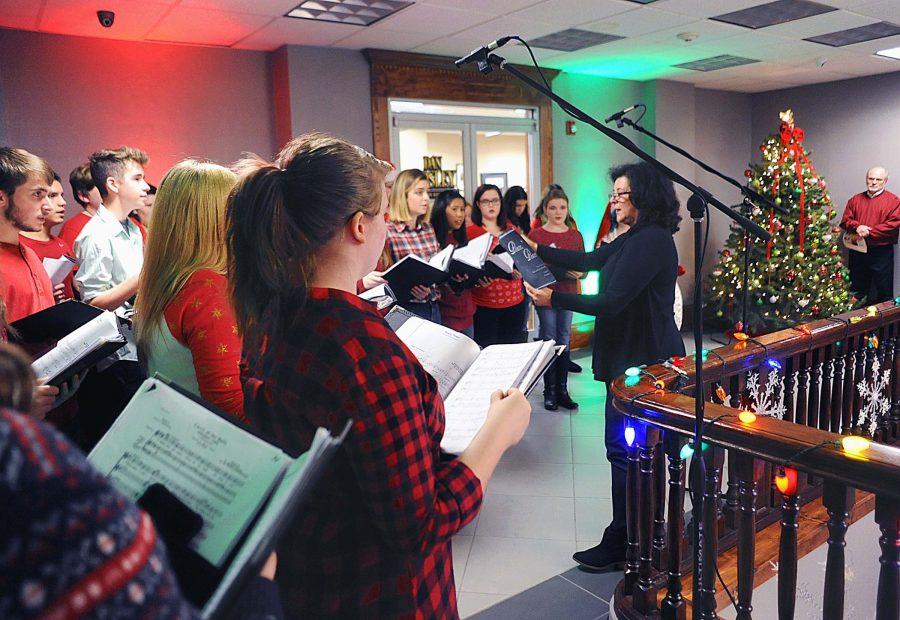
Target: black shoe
[(606, 557), (564, 400), (550, 398), (573, 367)]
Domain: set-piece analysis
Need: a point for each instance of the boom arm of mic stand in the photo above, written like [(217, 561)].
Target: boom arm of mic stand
[(753, 195), (617, 137)]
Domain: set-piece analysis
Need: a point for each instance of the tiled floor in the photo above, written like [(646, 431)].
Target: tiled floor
[(549, 497)]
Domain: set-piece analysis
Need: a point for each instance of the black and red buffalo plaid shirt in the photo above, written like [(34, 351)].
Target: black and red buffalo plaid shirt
[(375, 540)]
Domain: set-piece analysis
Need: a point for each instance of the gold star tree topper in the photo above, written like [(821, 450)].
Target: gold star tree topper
[(787, 117)]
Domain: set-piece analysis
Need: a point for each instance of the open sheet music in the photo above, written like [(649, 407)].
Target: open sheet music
[(81, 349), (467, 375), (411, 271), (58, 268), (245, 489)]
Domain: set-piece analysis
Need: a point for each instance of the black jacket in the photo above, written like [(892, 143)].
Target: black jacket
[(634, 309)]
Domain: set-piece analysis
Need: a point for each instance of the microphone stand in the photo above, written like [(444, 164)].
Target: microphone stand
[(704, 601), (750, 198)]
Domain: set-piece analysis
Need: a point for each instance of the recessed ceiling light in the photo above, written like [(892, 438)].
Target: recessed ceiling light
[(573, 39), (878, 30), (714, 63), (353, 12), (778, 12), (892, 52)]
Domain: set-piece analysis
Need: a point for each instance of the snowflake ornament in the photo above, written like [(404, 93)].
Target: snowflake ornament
[(769, 401), (875, 398)]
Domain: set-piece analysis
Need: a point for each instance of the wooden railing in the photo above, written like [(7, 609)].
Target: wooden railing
[(817, 367)]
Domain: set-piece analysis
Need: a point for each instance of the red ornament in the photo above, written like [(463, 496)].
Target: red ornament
[(833, 250), (823, 271), (726, 253), (748, 173), (790, 275), (762, 147), (816, 310), (798, 134), (838, 276)]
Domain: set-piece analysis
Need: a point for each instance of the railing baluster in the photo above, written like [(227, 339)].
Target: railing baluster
[(748, 471), (790, 387), (887, 516), (673, 605), (644, 592), (895, 381), (825, 402), (787, 557), (632, 501), (838, 499), (849, 390), (659, 519), (802, 393), (837, 387), (707, 593), (815, 389)]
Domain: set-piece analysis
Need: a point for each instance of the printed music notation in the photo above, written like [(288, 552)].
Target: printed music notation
[(217, 469)]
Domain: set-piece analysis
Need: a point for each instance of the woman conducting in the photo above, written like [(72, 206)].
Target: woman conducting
[(635, 324)]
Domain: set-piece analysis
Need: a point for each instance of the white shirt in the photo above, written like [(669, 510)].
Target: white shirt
[(108, 253)]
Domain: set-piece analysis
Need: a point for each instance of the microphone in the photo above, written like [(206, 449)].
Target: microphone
[(482, 51), (621, 113)]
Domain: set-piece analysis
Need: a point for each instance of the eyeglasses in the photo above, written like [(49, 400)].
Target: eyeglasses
[(491, 201), (619, 195)]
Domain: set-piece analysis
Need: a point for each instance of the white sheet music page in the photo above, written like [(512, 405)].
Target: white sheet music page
[(58, 268), (217, 469), (90, 336), (445, 354), (499, 367)]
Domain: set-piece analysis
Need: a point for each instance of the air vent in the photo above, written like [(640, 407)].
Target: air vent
[(716, 62), (353, 12), (878, 30), (573, 39), (778, 12)]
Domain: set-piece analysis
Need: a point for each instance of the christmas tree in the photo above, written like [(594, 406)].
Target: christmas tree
[(799, 274)]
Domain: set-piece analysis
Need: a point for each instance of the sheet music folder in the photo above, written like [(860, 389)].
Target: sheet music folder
[(229, 543), (54, 322)]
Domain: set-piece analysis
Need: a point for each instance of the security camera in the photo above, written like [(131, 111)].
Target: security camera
[(106, 18)]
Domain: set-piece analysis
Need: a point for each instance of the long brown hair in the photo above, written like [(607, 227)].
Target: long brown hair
[(16, 378), (281, 213)]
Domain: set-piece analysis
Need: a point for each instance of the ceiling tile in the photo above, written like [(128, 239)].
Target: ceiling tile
[(748, 84), (525, 28), (384, 39), (705, 8), (768, 47), (291, 31), (134, 18), (450, 46), (424, 18), (887, 10), (494, 7), (708, 30), (819, 24), (569, 13), (861, 64), (272, 8), (638, 22), (206, 27), (20, 14)]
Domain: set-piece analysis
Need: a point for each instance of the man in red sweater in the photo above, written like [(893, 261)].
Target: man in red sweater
[(874, 216)]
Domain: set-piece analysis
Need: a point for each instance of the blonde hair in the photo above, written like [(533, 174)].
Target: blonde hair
[(397, 205), (188, 234)]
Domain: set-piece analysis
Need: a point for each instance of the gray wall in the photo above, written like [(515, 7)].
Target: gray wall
[(327, 90)]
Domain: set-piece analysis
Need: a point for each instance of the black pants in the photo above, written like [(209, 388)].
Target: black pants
[(500, 325), (102, 397), (617, 455), (874, 269)]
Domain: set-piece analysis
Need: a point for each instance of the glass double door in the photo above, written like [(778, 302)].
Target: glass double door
[(499, 151)]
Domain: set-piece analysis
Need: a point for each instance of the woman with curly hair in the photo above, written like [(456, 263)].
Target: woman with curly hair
[(635, 322)]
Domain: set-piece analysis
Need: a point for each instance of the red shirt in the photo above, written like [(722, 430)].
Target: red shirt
[(881, 214), (54, 248), (24, 284), (569, 240), (457, 310), (71, 228), (499, 293), (200, 318), (374, 539)]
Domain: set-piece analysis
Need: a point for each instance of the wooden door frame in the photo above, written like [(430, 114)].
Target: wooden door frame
[(422, 76)]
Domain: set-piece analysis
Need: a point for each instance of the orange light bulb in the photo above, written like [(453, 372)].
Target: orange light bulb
[(786, 481), (747, 417)]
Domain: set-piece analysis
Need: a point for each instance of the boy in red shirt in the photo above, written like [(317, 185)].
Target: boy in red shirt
[(47, 245)]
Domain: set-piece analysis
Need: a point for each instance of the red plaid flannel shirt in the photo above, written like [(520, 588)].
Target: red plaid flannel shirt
[(374, 542), (421, 241)]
